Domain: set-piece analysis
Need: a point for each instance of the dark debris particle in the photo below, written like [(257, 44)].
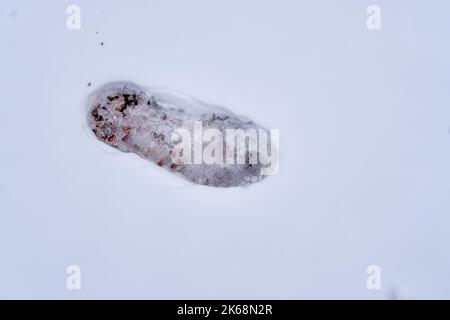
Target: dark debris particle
[(102, 43), (112, 138), (145, 124), (121, 108), (152, 102), (89, 84), (96, 116), (222, 118)]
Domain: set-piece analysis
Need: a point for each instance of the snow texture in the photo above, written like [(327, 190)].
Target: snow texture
[(143, 122)]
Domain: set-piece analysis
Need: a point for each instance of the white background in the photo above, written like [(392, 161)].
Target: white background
[(364, 177)]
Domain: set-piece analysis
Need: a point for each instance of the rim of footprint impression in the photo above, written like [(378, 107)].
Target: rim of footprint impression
[(206, 144)]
